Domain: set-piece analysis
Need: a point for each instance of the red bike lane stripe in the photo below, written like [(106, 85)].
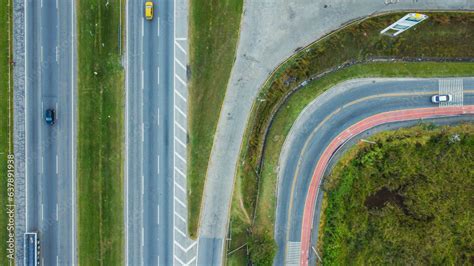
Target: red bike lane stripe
[(363, 125)]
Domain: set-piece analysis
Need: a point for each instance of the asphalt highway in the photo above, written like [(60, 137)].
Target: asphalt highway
[(149, 135), (49, 74), (326, 118)]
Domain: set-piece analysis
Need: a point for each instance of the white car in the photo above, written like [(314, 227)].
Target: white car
[(441, 98)]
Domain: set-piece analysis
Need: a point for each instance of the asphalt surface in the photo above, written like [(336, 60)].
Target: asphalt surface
[(439, 121), (149, 137), (49, 74), (271, 31), (322, 121)]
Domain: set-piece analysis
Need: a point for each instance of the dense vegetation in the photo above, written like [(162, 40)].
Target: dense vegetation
[(406, 200), (214, 30), (100, 134), (6, 121), (254, 199)]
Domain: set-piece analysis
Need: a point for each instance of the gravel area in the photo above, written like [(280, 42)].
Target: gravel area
[(19, 123)]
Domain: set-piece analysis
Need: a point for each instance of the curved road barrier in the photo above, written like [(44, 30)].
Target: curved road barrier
[(347, 134)]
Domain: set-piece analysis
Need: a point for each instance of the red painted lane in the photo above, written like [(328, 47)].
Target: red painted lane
[(363, 125)]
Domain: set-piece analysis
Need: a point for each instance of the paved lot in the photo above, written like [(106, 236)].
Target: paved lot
[(271, 31)]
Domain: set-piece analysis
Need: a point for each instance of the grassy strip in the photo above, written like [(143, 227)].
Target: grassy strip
[(405, 200), (214, 28), (6, 121), (361, 40), (100, 134)]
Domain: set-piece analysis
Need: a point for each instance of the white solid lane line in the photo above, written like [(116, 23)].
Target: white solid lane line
[(143, 27), (143, 132), (143, 237), (158, 26), (143, 79)]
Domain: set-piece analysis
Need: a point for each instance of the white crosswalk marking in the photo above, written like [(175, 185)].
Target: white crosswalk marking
[(294, 253), (453, 87)]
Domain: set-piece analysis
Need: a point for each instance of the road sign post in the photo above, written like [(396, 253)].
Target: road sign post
[(404, 24)]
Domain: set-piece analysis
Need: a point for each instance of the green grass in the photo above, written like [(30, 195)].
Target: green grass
[(355, 43), (6, 121), (100, 134), (405, 200), (214, 28)]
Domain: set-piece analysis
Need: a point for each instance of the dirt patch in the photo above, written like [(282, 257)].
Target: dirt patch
[(384, 196)]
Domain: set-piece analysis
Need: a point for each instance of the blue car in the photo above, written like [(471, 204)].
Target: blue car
[(50, 116)]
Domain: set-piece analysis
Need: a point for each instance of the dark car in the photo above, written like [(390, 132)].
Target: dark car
[(50, 116)]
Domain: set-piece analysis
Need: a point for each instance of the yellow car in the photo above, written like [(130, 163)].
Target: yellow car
[(149, 10)]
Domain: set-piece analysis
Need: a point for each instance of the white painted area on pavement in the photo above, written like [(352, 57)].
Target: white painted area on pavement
[(180, 47), (180, 111), (179, 126), (180, 64), (182, 82), (293, 253), (453, 87)]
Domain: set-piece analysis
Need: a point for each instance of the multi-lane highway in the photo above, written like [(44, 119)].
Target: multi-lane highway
[(149, 137), (49, 84), (321, 122)]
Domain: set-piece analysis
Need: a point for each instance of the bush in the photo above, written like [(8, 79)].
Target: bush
[(262, 249)]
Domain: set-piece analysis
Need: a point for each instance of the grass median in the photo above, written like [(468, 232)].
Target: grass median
[(443, 36), (407, 199), (100, 134), (6, 124), (214, 28)]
